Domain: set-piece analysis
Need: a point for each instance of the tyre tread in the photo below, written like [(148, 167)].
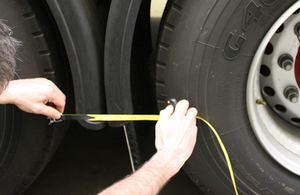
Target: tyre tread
[(167, 27), (52, 138)]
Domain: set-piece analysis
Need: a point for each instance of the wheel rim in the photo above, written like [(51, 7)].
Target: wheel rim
[(272, 81)]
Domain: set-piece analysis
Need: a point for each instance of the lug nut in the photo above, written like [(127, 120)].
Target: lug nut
[(286, 62), (291, 93), (297, 29)]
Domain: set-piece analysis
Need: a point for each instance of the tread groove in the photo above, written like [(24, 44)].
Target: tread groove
[(164, 46), (37, 34), (169, 26), (161, 64), (176, 7), (44, 53), (160, 82), (49, 71), (49, 74), (28, 15), (162, 98)]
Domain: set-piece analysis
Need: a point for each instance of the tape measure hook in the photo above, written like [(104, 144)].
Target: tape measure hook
[(53, 120)]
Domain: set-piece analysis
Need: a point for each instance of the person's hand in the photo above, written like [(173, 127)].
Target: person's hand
[(176, 133), (38, 96)]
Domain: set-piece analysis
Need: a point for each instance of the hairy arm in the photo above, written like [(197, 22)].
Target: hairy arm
[(38, 96), (175, 140), (149, 179)]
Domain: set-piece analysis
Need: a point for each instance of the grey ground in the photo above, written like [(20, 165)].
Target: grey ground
[(88, 161)]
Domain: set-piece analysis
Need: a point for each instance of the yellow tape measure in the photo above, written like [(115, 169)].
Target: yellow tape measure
[(122, 117), (136, 117)]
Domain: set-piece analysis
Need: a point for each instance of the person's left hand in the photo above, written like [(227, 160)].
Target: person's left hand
[(176, 133), (38, 96)]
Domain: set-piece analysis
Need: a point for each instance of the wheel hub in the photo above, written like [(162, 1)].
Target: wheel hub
[(280, 71), (297, 62), (274, 79)]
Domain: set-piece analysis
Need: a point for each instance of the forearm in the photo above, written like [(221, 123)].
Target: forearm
[(149, 179)]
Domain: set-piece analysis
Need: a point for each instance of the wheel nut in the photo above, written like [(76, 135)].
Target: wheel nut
[(291, 93), (286, 62), (297, 29)]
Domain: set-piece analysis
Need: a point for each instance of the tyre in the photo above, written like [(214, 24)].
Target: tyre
[(238, 63), (27, 142)]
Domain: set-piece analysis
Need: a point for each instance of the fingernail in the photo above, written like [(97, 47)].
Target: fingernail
[(57, 116)]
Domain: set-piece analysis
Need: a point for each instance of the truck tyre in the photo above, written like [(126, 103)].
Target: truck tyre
[(27, 142), (237, 62)]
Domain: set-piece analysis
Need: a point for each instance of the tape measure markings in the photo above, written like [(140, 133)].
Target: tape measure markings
[(122, 117)]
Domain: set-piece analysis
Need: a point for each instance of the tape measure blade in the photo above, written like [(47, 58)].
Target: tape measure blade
[(122, 117)]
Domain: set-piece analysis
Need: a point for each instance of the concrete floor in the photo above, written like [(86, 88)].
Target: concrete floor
[(88, 161)]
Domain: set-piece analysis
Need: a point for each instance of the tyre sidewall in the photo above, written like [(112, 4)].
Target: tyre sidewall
[(208, 61)]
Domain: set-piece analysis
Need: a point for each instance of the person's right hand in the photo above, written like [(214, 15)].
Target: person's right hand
[(38, 96), (176, 132)]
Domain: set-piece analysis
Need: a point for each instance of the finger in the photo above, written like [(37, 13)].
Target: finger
[(58, 99), (158, 144), (166, 113), (191, 116), (158, 136), (192, 112), (59, 104), (59, 92), (170, 109), (181, 108), (49, 111)]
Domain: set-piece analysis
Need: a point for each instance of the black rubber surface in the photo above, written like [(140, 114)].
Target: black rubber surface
[(26, 140), (204, 55)]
